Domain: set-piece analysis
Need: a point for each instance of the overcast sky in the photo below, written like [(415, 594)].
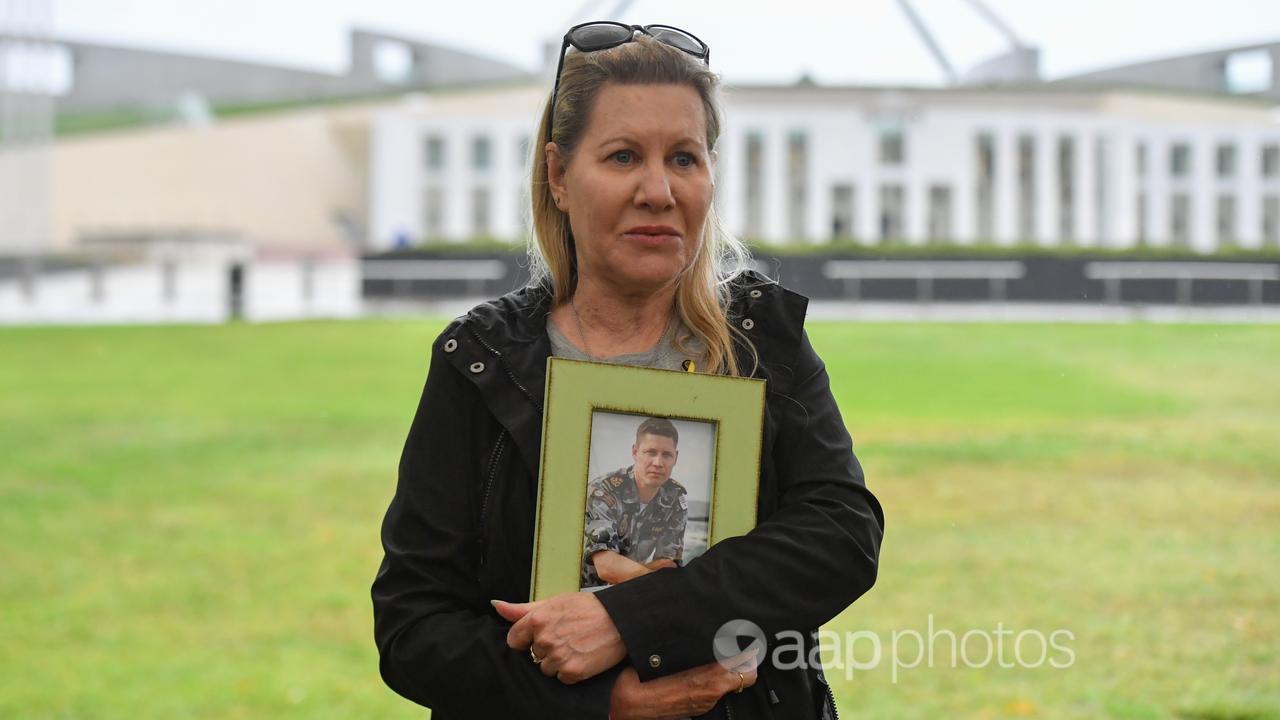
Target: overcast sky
[(851, 41)]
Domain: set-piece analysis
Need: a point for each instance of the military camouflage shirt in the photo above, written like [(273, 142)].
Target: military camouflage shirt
[(617, 520)]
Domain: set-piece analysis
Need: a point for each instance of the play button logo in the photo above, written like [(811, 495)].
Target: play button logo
[(735, 638)]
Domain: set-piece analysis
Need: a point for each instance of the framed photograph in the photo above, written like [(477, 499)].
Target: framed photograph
[(641, 469)]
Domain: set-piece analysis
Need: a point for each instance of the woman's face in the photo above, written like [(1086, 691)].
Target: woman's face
[(639, 186)]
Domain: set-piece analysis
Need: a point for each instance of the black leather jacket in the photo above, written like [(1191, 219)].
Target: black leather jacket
[(459, 530)]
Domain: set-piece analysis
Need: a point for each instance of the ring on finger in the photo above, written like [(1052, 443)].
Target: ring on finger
[(536, 660), (742, 683)]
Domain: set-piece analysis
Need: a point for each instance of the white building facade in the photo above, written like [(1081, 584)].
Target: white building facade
[(1042, 165)]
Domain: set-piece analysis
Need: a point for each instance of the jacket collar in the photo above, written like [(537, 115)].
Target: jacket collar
[(515, 328), (510, 339), (516, 323)]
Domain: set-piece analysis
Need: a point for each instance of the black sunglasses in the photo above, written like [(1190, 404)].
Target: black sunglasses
[(602, 35)]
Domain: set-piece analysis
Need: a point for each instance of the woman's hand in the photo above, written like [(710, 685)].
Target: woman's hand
[(681, 695), (571, 634)]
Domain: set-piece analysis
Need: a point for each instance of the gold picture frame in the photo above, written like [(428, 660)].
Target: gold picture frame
[(582, 397)]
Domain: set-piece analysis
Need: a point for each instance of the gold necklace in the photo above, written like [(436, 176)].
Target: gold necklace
[(586, 349)]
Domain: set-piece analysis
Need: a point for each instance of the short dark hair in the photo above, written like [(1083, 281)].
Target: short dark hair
[(658, 426)]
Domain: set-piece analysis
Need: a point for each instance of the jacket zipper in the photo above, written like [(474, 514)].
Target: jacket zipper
[(494, 457), (821, 677), (497, 450), (831, 701)]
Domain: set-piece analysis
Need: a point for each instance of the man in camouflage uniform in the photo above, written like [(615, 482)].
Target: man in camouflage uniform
[(636, 515)]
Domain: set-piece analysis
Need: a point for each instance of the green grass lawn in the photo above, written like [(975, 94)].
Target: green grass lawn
[(189, 516)]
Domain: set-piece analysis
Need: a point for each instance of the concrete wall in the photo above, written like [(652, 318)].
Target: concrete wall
[(285, 290), (289, 179), (150, 292)]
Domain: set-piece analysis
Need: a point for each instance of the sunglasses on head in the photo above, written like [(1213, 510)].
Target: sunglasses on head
[(602, 35)]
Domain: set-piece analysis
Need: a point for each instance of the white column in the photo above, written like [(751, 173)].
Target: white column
[(1086, 200), (1203, 190), (916, 197), (396, 183), (1158, 189), (1247, 187), (1046, 172), (502, 205), (817, 209), (775, 172), (457, 187), (821, 209), (1122, 190), (515, 176), (729, 189), (867, 185), (964, 197), (1006, 182)]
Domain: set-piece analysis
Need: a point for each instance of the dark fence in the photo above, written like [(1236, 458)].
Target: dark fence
[(443, 275)]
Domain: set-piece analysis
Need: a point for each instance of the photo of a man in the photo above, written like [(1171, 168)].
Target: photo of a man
[(636, 516)]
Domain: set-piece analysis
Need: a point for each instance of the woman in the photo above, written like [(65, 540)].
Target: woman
[(630, 269)]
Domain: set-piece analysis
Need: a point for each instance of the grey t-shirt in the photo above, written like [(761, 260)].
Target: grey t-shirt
[(664, 355)]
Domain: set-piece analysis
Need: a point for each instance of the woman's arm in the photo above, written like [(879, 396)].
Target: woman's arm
[(440, 642), (800, 567)]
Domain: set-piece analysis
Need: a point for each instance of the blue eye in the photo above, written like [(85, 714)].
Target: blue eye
[(685, 160), (623, 156)]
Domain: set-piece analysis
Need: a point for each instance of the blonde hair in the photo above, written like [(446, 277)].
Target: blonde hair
[(702, 289)]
